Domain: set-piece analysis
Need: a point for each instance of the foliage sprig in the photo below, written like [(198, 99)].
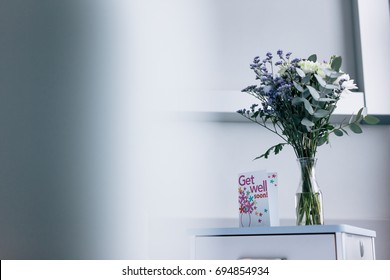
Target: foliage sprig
[(297, 98)]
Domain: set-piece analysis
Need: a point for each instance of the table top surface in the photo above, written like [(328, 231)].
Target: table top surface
[(277, 230)]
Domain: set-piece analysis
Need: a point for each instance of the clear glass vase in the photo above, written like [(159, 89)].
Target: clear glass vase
[(308, 199)]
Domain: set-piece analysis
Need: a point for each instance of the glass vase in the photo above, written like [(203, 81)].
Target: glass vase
[(308, 199)]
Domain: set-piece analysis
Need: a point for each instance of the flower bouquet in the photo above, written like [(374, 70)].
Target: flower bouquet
[(297, 98)]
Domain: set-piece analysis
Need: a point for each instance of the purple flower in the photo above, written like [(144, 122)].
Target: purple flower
[(295, 60)]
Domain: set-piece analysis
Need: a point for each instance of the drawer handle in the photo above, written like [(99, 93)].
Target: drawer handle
[(260, 258), (361, 248)]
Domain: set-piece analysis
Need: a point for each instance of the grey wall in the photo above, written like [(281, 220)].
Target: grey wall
[(94, 164), (58, 195)]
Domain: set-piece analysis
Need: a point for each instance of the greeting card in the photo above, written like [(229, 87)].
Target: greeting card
[(258, 199)]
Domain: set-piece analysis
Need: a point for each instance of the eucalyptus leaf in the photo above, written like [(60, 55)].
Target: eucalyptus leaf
[(346, 132), (320, 113), (332, 74), (332, 80), (313, 58), (322, 140), (338, 132), (351, 119), (371, 119), (326, 99), (306, 93), (320, 80), (298, 100), (296, 119), (355, 128), (308, 107), (314, 92), (307, 122), (329, 86), (300, 72), (359, 117), (298, 86), (325, 91), (306, 79), (336, 63)]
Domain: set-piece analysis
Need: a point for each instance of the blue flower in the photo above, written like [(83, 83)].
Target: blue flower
[(295, 60)]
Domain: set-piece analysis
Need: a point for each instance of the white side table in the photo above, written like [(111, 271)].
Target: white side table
[(317, 242)]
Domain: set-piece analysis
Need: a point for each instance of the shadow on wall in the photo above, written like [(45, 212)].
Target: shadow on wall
[(51, 207)]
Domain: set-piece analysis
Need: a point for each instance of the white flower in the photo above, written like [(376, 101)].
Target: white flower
[(346, 83), (321, 69), (282, 69), (308, 66)]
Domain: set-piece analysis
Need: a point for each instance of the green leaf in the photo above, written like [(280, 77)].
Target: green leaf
[(332, 74), (300, 72), (338, 132), (306, 79), (320, 113), (306, 93), (297, 100), (314, 92), (351, 119), (346, 132), (313, 58), (296, 119), (308, 107), (329, 126), (358, 117), (320, 80), (298, 86), (336, 63), (329, 86), (255, 114), (371, 119), (277, 148), (322, 140), (325, 91), (307, 122), (326, 99), (355, 128)]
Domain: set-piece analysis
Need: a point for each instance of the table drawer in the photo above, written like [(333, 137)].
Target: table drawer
[(307, 246), (358, 247)]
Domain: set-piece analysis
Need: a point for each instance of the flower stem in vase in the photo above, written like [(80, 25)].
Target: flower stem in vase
[(309, 209)]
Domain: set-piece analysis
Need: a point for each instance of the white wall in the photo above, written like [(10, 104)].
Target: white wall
[(353, 174), (191, 169)]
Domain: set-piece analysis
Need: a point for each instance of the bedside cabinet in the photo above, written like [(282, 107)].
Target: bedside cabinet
[(317, 242)]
